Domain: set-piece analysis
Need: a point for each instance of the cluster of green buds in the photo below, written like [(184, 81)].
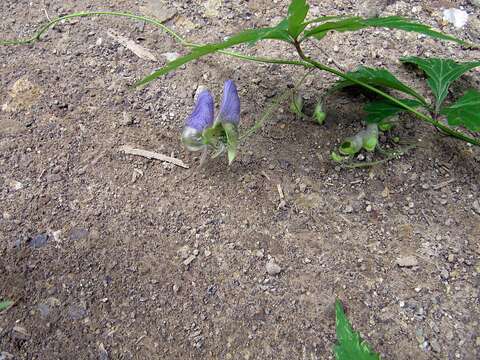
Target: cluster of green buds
[(296, 107), (365, 139)]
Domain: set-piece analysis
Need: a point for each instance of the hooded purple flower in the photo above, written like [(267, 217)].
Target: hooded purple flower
[(200, 119), (230, 108), (202, 115)]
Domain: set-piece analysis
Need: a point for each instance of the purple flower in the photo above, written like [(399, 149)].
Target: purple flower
[(202, 115), (200, 119), (230, 108)]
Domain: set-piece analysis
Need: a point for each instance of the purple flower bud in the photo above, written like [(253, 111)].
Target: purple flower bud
[(202, 115), (230, 108), (200, 119)]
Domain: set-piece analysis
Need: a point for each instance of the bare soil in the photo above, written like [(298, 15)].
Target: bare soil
[(113, 256)]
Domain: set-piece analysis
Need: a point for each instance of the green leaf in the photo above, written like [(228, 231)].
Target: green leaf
[(400, 23), (6, 304), (350, 345), (323, 19), (390, 22), (377, 111), (297, 12), (278, 32), (465, 112), (338, 158), (247, 36), (348, 24), (377, 77), (231, 133), (441, 73), (211, 136)]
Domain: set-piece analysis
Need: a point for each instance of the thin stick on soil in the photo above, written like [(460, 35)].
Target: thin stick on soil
[(152, 155)]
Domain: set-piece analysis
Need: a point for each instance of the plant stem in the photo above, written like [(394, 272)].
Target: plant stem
[(44, 28), (449, 131)]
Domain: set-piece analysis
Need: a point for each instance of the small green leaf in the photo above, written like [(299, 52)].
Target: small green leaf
[(390, 22), (377, 111), (211, 136), (465, 112), (377, 77), (385, 125), (297, 12), (231, 133), (5, 304), (441, 73), (247, 36), (350, 345), (338, 158)]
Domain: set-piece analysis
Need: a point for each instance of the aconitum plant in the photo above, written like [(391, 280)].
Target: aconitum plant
[(458, 118)]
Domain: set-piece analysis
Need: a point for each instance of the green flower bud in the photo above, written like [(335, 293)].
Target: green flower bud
[(352, 145), (319, 114), (296, 106), (370, 137)]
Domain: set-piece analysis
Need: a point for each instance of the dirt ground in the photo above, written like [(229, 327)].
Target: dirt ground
[(113, 256)]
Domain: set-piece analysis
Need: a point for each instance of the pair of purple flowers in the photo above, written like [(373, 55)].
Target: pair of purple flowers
[(202, 117)]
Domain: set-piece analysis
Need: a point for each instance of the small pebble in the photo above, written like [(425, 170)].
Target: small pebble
[(348, 209), (189, 260), (273, 268), (407, 261), (126, 119), (476, 206)]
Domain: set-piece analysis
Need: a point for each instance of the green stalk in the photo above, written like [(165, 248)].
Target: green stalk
[(44, 28), (269, 112), (449, 131)]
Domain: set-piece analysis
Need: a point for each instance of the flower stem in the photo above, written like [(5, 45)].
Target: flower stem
[(44, 28)]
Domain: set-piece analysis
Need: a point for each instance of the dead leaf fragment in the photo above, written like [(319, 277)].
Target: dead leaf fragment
[(152, 155), (131, 45)]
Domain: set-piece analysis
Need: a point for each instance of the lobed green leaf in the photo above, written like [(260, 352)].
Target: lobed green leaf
[(389, 22), (377, 77), (465, 112), (350, 345), (380, 110), (441, 73), (297, 12)]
